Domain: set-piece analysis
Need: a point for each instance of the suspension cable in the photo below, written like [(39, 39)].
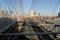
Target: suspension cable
[(55, 7), (0, 6), (48, 9)]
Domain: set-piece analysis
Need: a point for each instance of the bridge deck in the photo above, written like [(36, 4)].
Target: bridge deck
[(5, 24)]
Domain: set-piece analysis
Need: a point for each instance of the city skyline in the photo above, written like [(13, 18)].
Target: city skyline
[(44, 7)]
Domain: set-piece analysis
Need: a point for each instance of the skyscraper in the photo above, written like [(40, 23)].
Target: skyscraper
[(31, 13), (58, 14), (1, 14)]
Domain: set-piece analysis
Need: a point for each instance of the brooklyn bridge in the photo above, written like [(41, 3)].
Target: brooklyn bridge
[(40, 22)]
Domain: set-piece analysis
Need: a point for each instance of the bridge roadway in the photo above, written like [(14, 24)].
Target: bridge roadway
[(28, 29), (37, 30), (31, 27), (57, 23), (5, 23)]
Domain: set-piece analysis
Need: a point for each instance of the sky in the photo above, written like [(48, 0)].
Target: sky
[(27, 5), (44, 7)]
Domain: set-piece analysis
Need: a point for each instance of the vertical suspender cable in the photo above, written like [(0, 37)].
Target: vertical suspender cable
[(49, 7), (32, 4), (14, 6), (0, 6), (46, 6), (21, 3), (8, 4), (55, 7)]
